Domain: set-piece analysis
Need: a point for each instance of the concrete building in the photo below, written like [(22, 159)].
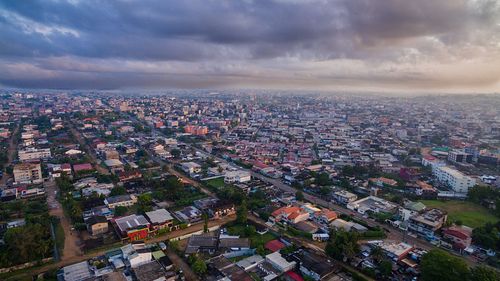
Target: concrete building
[(237, 177), (455, 179), (458, 156), (34, 154), (28, 173), (428, 222)]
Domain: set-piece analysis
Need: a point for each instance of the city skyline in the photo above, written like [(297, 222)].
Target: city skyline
[(390, 46)]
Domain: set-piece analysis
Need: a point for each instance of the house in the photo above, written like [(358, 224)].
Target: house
[(75, 272), (190, 167), (115, 166), (189, 214), (292, 214), (396, 251), (382, 182), (315, 266), (133, 227), (97, 225), (125, 200), (205, 243), (347, 226), (82, 167), (460, 236), (221, 209), (279, 263), (136, 255), (131, 175), (152, 271), (324, 216), (344, 197), (160, 219), (274, 245)]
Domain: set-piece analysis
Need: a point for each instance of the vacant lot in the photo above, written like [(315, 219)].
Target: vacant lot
[(469, 213), (216, 183)]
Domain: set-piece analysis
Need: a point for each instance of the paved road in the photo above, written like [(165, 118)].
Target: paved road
[(156, 239)]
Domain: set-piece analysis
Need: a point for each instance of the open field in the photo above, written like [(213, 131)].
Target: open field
[(216, 183), (470, 214)]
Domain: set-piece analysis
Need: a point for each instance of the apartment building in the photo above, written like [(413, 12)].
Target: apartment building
[(455, 179), (34, 154), (28, 173), (427, 222)]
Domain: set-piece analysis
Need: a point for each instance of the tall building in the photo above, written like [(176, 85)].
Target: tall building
[(28, 173), (455, 179), (34, 154), (459, 156)]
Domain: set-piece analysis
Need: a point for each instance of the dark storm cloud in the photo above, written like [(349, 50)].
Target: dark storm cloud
[(228, 31)]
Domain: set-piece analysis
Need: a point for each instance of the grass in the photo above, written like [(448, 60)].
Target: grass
[(216, 183), (468, 213), (255, 240)]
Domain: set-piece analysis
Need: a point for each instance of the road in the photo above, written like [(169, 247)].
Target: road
[(81, 140), (75, 259), (11, 152), (71, 240)]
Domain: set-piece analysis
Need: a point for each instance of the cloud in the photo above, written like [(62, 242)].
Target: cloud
[(289, 44)]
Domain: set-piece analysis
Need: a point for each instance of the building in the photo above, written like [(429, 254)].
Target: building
[(455, 179), (279, 263), (372, 204), (460, 236), (344, 197), (396, 251), (97, 225), (34, 154), (28, 173), (291, 214), (133, 227), (458, 156), (76, 272), (428, 222), (160, 219), (237, 177), (125, 200), (190, 167), (189, 214), (315, 266)]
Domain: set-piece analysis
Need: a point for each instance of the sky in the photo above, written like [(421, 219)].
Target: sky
[(336, 45)]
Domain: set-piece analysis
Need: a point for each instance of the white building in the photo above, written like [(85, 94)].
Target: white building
[(191, 167), (454, 178), (28, 173), (34, 154), (278, 262), (237, 176)]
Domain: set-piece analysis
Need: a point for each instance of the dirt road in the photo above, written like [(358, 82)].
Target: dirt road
[(71, 240)]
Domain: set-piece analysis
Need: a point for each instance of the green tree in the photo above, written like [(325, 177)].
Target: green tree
[(120, 211), (260, 250), (439, 265), (119, 190), (242, 213), (144, 202), (199, 267), (205, 222), (299, 196), (343, 245), (483, 273), (385, 268)]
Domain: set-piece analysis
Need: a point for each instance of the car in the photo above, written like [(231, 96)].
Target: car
[(163, 246)]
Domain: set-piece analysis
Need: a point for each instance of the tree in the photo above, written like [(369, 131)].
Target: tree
[(199, 267), (120, 211), (144, 203), (385, 268), (205, 222), (176, 153), (242, 213), (299, 196), (119, 190), (343, 245), (439, 265), (483, 273), (260, 250), (377, 253)]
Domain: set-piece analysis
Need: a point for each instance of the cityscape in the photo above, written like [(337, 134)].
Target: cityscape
[(249, 140)]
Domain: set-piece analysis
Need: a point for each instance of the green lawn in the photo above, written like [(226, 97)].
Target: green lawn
[(216, 183), (470, 214), (255, 240)]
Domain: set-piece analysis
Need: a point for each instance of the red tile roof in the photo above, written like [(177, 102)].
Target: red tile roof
[(274, 245)]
